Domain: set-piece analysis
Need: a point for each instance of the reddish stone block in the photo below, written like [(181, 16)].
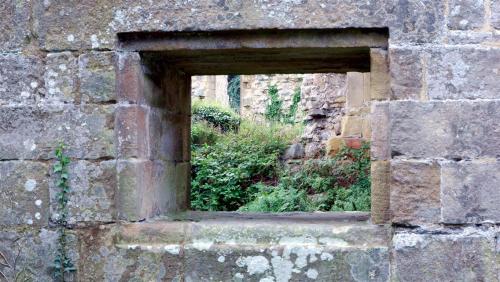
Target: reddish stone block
[(353, 143)]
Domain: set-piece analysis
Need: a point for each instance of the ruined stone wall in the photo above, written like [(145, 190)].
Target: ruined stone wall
[(435, 140), (210, 88)]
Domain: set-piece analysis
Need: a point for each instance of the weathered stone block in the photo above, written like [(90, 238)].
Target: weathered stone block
[(407, 73), (380, 191), (467, 255), (31, 132), (14, 24), (169, 135), (419, 21), (333, 145), (92, 195), (451, 129), (20, 78), (380, 126), (495, 14), (355, 90), (31, 253), (379, 75), (129, 78), (24, 193), (469, 192), (132, 135), (97, 76), (61, 77), (466, 14), (149, 188), (464, 73), (352, 126), (415, 192)]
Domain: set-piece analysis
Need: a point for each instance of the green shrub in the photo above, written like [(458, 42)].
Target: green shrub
[(338, 184), (218, 116), (203, 133), (223, 173)]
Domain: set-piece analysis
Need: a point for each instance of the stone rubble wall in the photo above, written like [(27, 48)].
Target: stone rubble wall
[(435, 138)]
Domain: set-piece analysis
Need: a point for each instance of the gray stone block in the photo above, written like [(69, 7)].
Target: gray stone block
[(414, 192), (465, 256), (495, 14), (61, 77), (14, 24), (446, 129), (97, 76), (92, 192), (470, 192), (466, 14), (20, 78), (407, 73), (31, 132), (24, 193)]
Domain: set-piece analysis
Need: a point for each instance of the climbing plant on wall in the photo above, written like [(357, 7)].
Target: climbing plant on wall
[(62, 262), (274, 110)]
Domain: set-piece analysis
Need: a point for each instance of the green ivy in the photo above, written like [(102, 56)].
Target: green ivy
[(274, 109), (62, 262), (234, 91)]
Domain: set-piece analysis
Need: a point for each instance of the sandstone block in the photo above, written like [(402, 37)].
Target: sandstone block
[(452, 129), (132, 136), (379, 75), (353, 143), (464, 73), (92, 192), (24, 193), (130, 84), (380, 125), (407, 72), (30, 132), (380, 191), (14, 24), (333, 145), (458, 256), (469, 192), (169, 135), (415, 192), (20, 78), (466, 14), (355, 90), (61, 77), (97, 75), (352, 126)]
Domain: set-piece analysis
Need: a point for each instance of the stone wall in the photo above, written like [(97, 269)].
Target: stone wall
[(435, 139), (210, 88)]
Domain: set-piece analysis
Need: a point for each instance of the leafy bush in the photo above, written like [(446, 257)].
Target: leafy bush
[(220, 117), (338, 184), (223, 173), (203, 133)]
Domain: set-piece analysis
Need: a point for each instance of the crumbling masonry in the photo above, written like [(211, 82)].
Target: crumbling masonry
[(111, 80)]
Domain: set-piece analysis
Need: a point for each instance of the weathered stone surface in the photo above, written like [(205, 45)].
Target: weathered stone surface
[(92, 195), (379, 75), (14, 24), (451, 129), (379, 118), (61, 77), (295, 151), (24, 193), (31, 254), (415, 193), (31, 132), (469, 192), (466, 14), (495, 14), (169, 135), (97, 75), (407, 73), (60, 23), (132, 137), (380, 174), (468, 255), (352, 126), (464, 73), (418, 21), (20, 78)]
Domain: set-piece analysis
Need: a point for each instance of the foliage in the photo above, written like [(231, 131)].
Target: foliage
[(217, 116), (62, 262), (223, 173), (338, 184), (274, 110), (203, 133), (234, 91)]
